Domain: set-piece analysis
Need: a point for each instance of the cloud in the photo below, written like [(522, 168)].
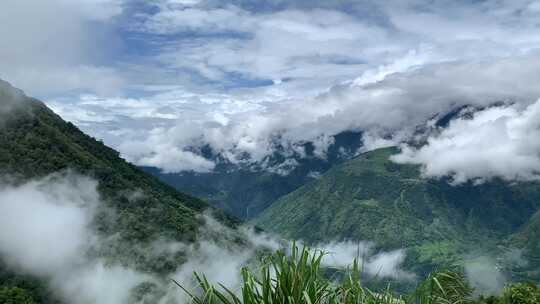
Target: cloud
[(46, 231), (314, 45), (245, 78), (304, 46), (485, 276), (58, 46), (496, 142), (35, 217), (10, 97), (375, 264), (387, 110)]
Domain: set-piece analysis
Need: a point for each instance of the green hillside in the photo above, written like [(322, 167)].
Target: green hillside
[(246, 191), (372, 198), (35, 142)]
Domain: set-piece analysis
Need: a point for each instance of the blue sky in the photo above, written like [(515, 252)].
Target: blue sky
[(157, 79)]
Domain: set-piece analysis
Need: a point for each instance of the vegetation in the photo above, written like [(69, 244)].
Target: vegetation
[(298, 279), (35, 142), (245, 191), (372, 198), (15, 295)]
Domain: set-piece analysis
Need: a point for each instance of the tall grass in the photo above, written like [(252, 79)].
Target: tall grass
[(297, 279)]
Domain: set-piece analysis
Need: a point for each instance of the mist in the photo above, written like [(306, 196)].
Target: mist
[(485, 276), (46, 231), (10, 98), (374, 264)]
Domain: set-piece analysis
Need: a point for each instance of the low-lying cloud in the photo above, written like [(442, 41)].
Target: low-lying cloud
[(387, 109), (501, 142), (374, 264), (10, 98), (46, 231), (485, 276)]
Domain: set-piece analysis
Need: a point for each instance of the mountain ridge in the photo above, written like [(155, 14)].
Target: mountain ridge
[(372, 198), (136, 209)]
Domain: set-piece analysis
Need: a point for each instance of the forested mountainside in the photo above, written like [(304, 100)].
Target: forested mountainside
[(372, 198), (35, 142), (247, 190)]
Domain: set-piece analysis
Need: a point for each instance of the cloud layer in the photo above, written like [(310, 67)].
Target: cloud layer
[(161, 80), (165, 131)]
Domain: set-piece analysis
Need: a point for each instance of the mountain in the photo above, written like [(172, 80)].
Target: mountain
[(528, 238), (372, 198), (246, 190), (138, 208)]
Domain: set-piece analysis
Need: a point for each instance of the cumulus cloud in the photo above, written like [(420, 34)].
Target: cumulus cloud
[(496, 142)]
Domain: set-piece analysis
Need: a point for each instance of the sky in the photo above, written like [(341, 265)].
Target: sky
[(159, 80)]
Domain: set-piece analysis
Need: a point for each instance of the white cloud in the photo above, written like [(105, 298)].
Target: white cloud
[(176, 160), (485, 276), (382, 70), (101, 10), (374, 264), (388, 111), (318, 47), (311, 49), (54, 46), (496, 142), (35, 217), (46, 231)]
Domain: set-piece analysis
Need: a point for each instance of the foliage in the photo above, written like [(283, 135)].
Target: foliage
[(245, 191), (35, 142), (441, 288), (15, 295), (297, 278), (283, 279), (519, 293), (372, 198)]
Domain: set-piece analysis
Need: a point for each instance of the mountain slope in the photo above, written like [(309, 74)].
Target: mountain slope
[(372, 198), (245, 191), (138, 208), (528, 238), (35, 142)]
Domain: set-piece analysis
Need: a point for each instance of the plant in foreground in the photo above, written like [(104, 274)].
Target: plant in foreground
[(297, 279)]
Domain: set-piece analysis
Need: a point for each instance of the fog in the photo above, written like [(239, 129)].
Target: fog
[(372, 263), (46, 231)]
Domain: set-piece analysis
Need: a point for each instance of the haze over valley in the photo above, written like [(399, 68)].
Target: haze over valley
[(201, 151)]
